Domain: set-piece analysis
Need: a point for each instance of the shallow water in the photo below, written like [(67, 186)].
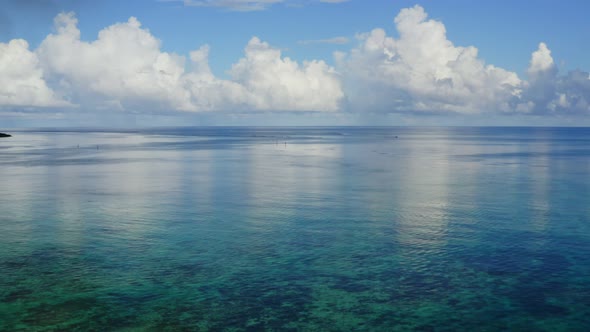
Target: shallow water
[(302, 229)]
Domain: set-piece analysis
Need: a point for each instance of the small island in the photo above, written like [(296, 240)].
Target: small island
[(5, 135)]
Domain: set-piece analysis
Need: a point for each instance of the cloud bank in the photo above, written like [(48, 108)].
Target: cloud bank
[(419, 72), (125, 68)]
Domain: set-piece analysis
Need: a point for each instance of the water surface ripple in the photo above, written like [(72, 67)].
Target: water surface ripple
[(295, 229)]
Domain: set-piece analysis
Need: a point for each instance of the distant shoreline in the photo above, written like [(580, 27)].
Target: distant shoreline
[(5, 135)]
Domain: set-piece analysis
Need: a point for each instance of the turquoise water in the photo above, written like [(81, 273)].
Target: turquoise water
[(296, 229)]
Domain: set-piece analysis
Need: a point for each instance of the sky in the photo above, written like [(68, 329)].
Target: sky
[(294, 62)]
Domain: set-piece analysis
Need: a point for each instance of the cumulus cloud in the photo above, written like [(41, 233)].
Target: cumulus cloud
[(281, 83), (541, 86), (541, 61), (21, 79), (209, 93), (423, 71), (547, 92), (124, 68), (264, 80)]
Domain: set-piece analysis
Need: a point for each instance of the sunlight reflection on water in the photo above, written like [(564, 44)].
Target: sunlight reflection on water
[(295, 229)]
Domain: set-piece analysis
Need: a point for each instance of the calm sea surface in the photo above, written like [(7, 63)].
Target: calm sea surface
[(296, 229)]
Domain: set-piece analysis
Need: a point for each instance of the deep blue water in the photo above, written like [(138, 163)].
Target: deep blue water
[(295, 229)]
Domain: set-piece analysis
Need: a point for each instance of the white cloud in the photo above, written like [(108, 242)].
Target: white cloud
[(281, 83), (422, 71), (541, 60), (210, 93), (574, 92), (540, 89), (21, 78), (264, 80), (547, 92), (124, 68)]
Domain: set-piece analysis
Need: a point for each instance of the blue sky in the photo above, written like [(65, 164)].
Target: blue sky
[(505, 34)]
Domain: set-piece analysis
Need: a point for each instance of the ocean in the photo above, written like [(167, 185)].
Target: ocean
[(295, 229)]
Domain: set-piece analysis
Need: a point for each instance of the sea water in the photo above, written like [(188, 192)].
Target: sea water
[(295, 229)]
